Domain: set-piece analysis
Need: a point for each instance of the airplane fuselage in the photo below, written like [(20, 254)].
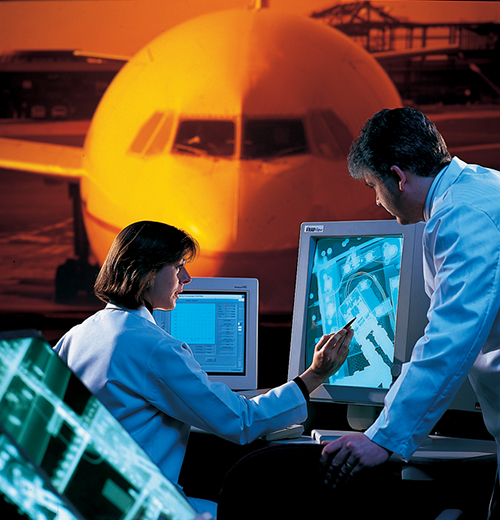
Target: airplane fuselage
[(235, 127)]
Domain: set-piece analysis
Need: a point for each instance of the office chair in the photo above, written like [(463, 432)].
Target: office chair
[(450, 514), (274, 482), (284, 481)]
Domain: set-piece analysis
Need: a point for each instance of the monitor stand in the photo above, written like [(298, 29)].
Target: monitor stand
[(361, 417)]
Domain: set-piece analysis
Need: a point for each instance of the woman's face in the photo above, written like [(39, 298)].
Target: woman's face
[(167, 285)]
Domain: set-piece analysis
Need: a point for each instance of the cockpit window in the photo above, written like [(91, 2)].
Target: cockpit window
[(266, 138), (201, 137), (330, 136), (153, 135)]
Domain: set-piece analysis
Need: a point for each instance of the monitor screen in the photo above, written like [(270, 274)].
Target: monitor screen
[(371, 271), (218, 319), (356, 277), (62, 454)]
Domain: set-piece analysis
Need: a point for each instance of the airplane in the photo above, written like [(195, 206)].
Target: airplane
[(233, 126)]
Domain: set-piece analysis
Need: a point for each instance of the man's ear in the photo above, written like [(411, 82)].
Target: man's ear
[(400, 177)]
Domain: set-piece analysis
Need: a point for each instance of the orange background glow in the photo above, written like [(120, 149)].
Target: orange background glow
[(123, 26)]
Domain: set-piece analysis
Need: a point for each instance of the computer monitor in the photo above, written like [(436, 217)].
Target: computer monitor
[(218, 318), (371, 271), (62, 454)]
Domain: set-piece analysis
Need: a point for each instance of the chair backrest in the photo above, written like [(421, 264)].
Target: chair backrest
[(280, 481), (285, 482)]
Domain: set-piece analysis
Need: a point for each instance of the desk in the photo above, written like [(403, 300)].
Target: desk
[(444, 473), (286, 474), (435, 457), (436, 447)]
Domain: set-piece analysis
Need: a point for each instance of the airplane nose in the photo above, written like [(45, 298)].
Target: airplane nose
[(257, 206), (236, 206)]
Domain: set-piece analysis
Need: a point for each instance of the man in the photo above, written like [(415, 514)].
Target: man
[(403, 158)]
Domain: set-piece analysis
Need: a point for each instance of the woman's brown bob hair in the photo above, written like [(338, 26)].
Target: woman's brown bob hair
[(138, 252)]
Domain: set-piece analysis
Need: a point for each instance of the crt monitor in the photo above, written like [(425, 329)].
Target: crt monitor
[(218, 318), (370, 270)]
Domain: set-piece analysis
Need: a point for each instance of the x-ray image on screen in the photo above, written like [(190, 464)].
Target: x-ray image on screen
[(60, 442), (357, 277), (29, 495)]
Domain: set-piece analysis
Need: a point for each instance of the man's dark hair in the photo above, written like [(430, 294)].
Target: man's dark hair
[(138, 252), (402, 137)]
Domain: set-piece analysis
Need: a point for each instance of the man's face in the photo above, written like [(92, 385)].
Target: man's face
[(394, 196)]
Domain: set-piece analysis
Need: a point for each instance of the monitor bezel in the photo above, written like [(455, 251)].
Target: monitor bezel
[(249, 287), (412, 301)]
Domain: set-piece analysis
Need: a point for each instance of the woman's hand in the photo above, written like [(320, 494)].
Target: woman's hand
[(329, 355)]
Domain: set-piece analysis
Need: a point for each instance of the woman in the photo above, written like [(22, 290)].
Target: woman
[(150, 381)]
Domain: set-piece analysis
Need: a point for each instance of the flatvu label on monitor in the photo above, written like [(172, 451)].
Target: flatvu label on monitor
[(313, 229)]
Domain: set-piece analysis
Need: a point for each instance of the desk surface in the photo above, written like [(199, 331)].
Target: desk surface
[(436, 447)]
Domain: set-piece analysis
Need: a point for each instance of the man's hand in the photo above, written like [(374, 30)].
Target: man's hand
[(349, 455)]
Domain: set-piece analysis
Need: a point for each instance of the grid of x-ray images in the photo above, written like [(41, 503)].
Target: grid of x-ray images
[(357, 277), (26, 491), (62, 444)]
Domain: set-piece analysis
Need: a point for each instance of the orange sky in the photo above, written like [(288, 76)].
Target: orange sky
[(124, 26)]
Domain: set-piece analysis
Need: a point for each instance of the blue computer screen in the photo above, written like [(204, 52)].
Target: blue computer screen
[(356, 277), (213, 325)]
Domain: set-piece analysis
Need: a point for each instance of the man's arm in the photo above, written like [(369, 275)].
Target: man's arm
[(465, 271)]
